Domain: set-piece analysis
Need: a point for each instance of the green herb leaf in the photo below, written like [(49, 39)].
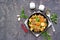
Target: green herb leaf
[(46, 36), (23, 14), (54, 18), (37, 19)]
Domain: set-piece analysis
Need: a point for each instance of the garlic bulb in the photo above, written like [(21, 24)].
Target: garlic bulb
[(41, 7), (32, 5)]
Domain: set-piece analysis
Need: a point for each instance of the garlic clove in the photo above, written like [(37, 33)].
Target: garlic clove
[(18, 15), (18, 19)]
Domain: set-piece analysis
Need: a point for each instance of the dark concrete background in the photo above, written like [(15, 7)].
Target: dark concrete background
[(10, 28)]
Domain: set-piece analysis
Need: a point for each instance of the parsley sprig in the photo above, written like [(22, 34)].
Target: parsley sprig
[(46, 35), (23, 14), (54, 18)]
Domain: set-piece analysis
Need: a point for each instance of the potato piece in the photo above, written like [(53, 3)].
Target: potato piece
[(31, 29), (42, 24), (33, 16), (36, 29), (39, 16), (42, 19), (30, 20), (42, 29), (30, 25), (38, 23)]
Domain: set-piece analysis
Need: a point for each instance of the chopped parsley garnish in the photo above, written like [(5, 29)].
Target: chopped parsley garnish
[(37, 19)]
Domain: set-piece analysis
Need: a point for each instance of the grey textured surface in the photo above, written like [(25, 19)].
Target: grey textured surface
[(10, 28)]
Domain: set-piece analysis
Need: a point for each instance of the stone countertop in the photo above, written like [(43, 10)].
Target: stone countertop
[(10, 28)]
